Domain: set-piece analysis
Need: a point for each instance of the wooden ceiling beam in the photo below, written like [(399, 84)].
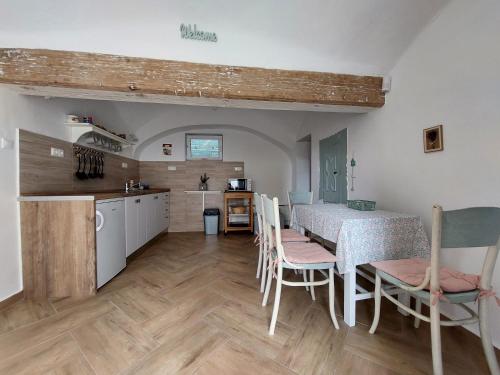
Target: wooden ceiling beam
[(141, 77)]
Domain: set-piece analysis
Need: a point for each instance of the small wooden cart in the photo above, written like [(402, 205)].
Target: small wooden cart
[(238, 211)]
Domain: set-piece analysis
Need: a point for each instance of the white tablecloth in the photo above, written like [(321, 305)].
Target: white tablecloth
[(363, 236)]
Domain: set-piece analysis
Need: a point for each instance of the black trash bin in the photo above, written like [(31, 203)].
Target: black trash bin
[(211, 220)]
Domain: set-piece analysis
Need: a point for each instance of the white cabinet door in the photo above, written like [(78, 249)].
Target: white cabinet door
[(150, 215), (164, 211), (156, 213), (142, 222), (110, 240), (146, 216), (131, 224)]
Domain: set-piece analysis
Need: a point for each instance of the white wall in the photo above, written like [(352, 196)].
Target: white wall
[(268, 166), (449, 76), (302, 180), (342, 36)]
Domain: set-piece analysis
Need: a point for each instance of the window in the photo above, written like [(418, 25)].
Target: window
[(203, 147)]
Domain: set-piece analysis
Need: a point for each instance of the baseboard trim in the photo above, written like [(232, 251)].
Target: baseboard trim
[(11, 300)]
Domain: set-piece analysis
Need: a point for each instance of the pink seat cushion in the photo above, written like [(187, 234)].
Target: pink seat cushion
[(307, 253), (412, 272), (291, 235)]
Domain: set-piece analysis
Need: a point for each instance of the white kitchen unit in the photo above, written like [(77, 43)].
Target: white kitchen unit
[(110, 239), (132, 222), (152, 226), (165, 213), (146, 216)]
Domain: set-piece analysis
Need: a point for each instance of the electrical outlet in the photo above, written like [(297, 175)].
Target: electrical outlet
[(238, 169), (124, 165), (172, 168), (56, 152)]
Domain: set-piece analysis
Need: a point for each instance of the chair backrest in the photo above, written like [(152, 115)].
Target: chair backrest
[(257, 200), (272, 219), (466, 228), (470, 227), (299, 197)]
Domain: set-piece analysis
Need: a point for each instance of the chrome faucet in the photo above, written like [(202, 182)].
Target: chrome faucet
[(131, 186)]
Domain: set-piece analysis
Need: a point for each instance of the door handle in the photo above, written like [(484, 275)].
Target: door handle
[(100, 216)]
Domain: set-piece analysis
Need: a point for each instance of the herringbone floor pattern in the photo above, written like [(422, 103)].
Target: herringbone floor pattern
[(189, 304)]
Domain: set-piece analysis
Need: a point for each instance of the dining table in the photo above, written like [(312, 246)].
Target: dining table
[(362, 237)]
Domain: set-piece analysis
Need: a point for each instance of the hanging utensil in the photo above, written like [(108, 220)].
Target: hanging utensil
[(96, 166), (89, 171), (83, 174), (77, 173), (93, 166), (99, 165), (101, 174)]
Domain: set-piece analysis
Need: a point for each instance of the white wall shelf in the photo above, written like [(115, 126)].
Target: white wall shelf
[(81, 131)]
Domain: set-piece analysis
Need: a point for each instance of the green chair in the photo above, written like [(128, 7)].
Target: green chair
[(466, 228)]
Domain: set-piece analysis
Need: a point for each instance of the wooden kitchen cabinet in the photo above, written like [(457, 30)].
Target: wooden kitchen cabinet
[(59, 235), (238, 211), (58, 240)]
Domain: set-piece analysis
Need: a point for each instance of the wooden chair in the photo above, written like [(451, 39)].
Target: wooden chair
[(466, 228), (260, 234), (299, 197), (288, 235), (295, 255), (302, 197)]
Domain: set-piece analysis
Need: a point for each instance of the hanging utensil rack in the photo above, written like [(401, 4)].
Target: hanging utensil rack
[(91, 135), (92, 165)]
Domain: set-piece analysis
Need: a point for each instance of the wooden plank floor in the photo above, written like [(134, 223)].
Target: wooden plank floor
[(190, 304)]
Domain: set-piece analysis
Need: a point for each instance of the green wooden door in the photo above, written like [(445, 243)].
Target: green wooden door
[(333, 168)]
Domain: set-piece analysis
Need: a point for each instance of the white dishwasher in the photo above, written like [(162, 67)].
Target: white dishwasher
[(110, 238)]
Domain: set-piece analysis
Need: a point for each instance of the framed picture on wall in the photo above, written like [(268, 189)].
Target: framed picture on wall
[(167, 149), (433, 139)]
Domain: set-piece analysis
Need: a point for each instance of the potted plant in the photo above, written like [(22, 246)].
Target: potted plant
[(203, 182)]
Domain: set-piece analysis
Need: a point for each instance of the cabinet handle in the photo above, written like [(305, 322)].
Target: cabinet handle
[(156, 197), (137, 201), (100, 216)]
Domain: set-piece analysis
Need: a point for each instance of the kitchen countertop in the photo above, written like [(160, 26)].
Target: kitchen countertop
[(97, 196)]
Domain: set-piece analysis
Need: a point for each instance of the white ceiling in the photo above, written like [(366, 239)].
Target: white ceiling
[(342, 36)]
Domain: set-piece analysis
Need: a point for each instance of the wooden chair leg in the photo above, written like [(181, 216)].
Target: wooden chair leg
[(437, 361), (304, 275), (378, 297), (277, 297), (489, 351), (269, 282), (311, 279), (331, 297), (260, 265), (265, 257), (418, 308)]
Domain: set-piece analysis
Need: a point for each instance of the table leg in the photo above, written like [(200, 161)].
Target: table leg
[(404, 298), (350, 298)]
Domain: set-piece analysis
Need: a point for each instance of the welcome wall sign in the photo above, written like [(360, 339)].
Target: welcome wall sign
[(191, 32)]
